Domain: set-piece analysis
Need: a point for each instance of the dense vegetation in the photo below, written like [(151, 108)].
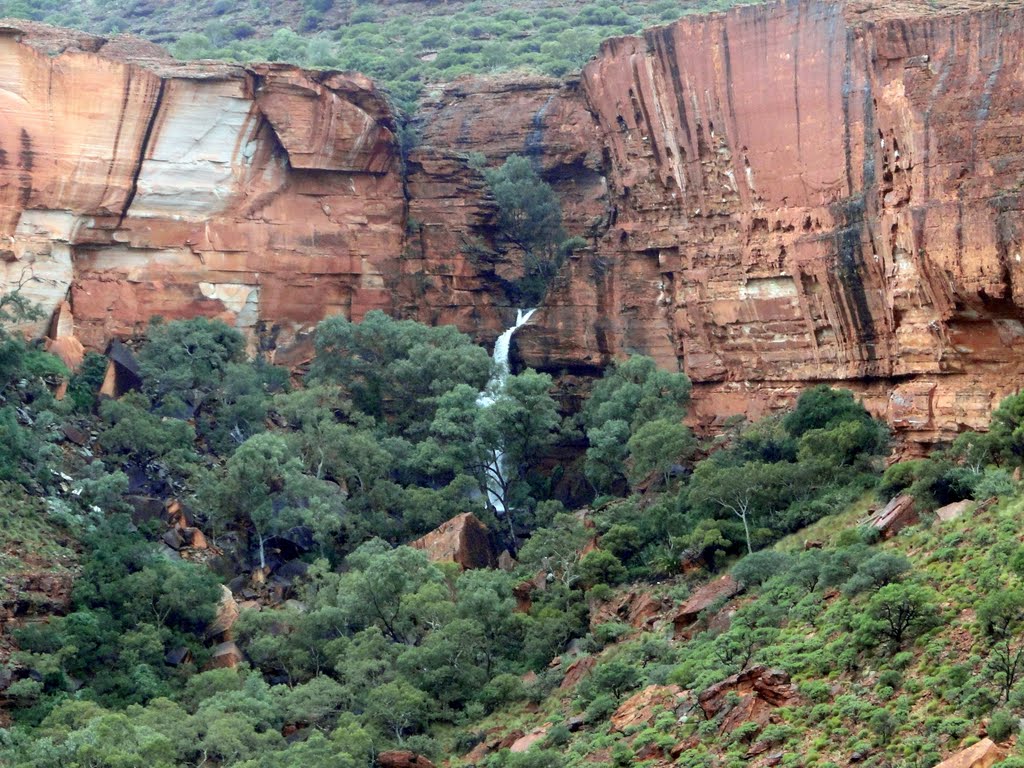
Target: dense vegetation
[(406, 46), (901, 651), (527, 229), (380, 647)]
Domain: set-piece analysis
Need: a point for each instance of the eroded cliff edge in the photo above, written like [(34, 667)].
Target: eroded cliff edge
[(776, 196)]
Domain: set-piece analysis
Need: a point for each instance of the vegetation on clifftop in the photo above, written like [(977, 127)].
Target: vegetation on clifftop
[(406, 46)]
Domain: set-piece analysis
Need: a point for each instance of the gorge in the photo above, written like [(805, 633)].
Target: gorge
[(772, 197)]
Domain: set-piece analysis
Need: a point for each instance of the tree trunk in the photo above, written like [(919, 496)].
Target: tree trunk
[(746, 531)]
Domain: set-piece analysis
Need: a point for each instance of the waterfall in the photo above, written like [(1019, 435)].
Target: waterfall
[(486, 398)]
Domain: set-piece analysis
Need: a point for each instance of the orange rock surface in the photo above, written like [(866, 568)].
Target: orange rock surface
[(713, 593), (751, 696), (982, 755), (776, 196), (894, 516), (641, 708), (137, 186), (803, 192), (462, 539)]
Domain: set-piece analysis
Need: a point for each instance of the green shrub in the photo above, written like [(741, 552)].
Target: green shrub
[(1002, 725)]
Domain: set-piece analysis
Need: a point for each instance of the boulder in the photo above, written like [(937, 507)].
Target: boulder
[(77, 436), (477, 754), (984, 754), (523, 743), (194, 538), (641, 708), (402, 758), (123, 373), (505, 561), (178, 656), (713, 592), (639, 609), (894, 516), (509, 739), (577, 670), (759, 690), (463, 540), (227, 655), (227, 615), (68, 349), (953, 511), (523, 591)]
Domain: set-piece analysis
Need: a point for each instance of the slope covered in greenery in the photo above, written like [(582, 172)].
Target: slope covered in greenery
[(372, 646)]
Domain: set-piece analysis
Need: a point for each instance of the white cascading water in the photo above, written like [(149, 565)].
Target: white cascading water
[(494, 386)]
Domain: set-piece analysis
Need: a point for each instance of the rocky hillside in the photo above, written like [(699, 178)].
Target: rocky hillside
[(820, 652), (247, 519), (866, 233)]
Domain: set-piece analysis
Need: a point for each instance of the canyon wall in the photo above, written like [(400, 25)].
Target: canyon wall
[(781, 195), (138, 186), (807, 193)]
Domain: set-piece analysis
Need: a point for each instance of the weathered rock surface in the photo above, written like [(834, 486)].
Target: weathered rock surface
[(894, 516), (576, 671), (952, 511), (713, 592), (637, 608), (443, 279), (137, 185), (225, 655), (759, 690), (642, 707), (523, 743), (803, 192), (227, 614), (398, 758), (780, 195), (463, 540), (981, 755)]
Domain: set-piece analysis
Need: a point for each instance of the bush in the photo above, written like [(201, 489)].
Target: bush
[(1002, 725), (877, 571), (994, 481), (600, 708), (600, 567), (613, 678), (755, 569), (501, 690), (822, 407)]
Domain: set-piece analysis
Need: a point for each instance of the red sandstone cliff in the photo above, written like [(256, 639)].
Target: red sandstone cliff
[(140, 186), (779, 195), (803, 193)]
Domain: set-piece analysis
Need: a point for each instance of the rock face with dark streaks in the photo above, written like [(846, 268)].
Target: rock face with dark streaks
[(139, 186), (806, 193), (773, 197)]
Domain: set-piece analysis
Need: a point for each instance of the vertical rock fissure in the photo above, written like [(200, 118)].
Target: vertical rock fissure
[(143, 149), (533, 147)]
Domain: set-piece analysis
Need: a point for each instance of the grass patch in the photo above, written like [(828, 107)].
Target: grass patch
[(828, 528)]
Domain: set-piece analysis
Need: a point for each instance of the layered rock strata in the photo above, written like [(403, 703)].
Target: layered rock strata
[(806, 193), (781, 195), (139, 186)]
